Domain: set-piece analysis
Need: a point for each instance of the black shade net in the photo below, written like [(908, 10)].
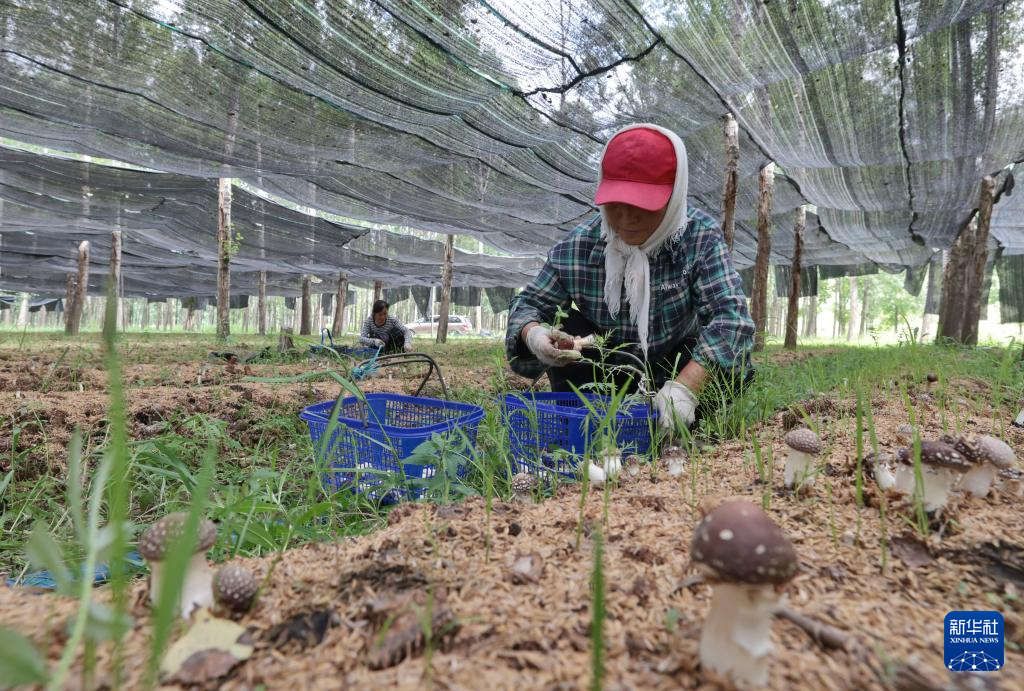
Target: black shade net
[(488, 118)]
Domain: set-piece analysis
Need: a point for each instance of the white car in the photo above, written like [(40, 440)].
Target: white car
[(457, 324)]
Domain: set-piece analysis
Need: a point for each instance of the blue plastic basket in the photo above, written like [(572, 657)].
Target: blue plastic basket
[(542, 423), (377, 434)]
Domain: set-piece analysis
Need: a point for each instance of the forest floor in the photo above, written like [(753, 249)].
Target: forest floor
[(487, 593)]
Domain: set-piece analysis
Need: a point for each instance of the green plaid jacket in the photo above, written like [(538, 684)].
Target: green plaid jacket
[(695, 292)]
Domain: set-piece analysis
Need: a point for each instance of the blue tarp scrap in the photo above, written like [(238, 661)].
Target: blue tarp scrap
[(101, 574)]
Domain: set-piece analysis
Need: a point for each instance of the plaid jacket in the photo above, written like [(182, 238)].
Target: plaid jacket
[(695, 291)]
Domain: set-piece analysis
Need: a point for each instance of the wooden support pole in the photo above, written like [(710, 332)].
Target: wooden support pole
[(446, 289), (853, 322), (793, 308), (224, 258), (114, 292), (81, 287), (759, 300), (732, 164), (261, 303), (338, 327), (69, 299), (976, 261), (306, 322), (378, 290)]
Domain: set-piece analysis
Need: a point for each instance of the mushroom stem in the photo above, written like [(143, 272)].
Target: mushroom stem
[(196, 589), (937, 483), (978, 480), (799, 469), (884, 477), (905, 479), (736, 639)]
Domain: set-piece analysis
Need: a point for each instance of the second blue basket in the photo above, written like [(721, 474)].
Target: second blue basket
[(378, 434), (542, 424)]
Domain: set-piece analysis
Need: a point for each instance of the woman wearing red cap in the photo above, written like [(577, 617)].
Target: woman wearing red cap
[(650, 273)]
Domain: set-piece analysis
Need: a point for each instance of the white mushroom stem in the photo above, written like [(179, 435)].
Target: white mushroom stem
[(595, 474), (978, 480), (196, 589), (612, 465), (937, 483), (884, 477), (799, 469), (736, 640), (905, 479), (676, 466)]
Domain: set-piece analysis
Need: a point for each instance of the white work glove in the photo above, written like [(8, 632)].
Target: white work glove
[(542, 343), (408, 347), (377, 343), (675, 402)]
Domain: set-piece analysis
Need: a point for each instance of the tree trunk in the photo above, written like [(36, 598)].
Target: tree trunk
[(951, 307), (338, 327), (224, 259), (81, 289), (865, 294), (261, 303), (764, 248), (811, 318), (732, 162), (305, 325), (23, 313), (793, 310), (114, 291), (976, 260), (69, 299), (852, 325), (446, 289), (378, 290)]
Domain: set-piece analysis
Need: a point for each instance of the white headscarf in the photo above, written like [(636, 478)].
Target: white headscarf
[(629, 264)]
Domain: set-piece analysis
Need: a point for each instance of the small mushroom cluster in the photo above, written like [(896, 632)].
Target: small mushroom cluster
[(233, 588), (966, 463)]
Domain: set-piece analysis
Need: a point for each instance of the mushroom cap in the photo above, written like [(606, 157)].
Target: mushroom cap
[(931, 377), (938, 454), (523, 483), (234, 588), (632, 459), (742, 544), (159, 536), (803, 440), (995, 451), (881, 458)]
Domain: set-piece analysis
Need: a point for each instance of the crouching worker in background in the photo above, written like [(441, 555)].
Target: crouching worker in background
[(649, 273), (380, 330)]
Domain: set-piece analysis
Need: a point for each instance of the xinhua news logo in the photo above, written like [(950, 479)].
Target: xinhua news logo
[(974, 641)]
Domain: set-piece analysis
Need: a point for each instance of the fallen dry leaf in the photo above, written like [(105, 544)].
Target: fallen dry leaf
[(911, 551), (199, 655)]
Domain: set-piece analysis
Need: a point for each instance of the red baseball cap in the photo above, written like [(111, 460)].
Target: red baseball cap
[(638, 168)]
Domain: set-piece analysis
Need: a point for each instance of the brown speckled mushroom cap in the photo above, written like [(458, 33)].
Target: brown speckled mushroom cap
[(803, 440), (937, 454), (234, 588), (159, 536), (995, 451), (523, 483), (741, 544)]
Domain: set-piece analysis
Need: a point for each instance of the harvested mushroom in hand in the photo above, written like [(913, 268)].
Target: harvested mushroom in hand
[(235, 588), (989, 455), (746, 559), (804, 446), (197, 587), (941, 465), (523, 487)]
